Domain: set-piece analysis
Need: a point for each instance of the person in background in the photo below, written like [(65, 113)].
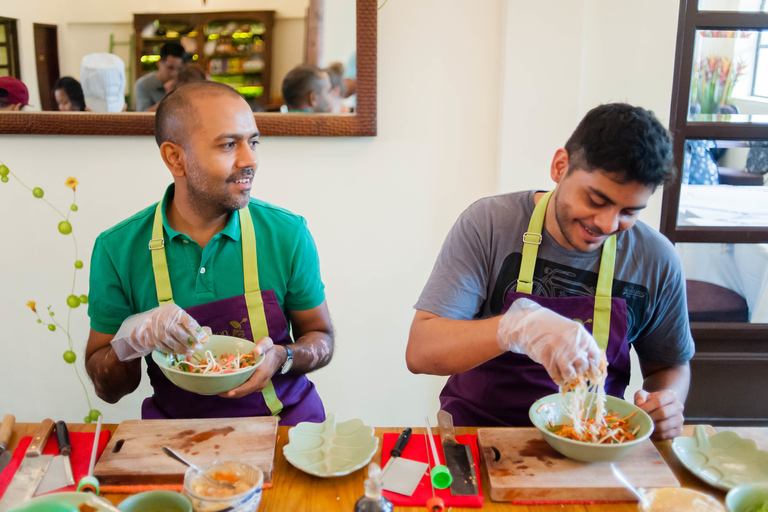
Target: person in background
[(68, 94), (13, 94), (102, 76), (188, 74), (152, 87), (530, 288), (338, 89), (307, 88), (201, 269)]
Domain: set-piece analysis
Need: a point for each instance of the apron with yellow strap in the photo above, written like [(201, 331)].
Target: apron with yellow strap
[(251, 316), (499, 392)]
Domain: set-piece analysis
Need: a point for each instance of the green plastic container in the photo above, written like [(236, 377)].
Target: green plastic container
[(215, 383), (548, 408)]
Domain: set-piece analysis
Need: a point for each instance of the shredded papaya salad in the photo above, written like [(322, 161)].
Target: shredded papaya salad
[(583, 403), (210, 364)]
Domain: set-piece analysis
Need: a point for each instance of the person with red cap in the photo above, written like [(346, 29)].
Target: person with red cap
[(13, 94)]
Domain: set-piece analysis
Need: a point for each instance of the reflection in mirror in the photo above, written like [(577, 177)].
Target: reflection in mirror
[(732, 5), (726, 282), (250, 50), (729, 81), (723, 184)]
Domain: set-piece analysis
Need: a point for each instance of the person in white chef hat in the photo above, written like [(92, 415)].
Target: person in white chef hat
[(103, 78)]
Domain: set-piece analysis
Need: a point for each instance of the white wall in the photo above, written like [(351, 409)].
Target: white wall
[(379, 209)]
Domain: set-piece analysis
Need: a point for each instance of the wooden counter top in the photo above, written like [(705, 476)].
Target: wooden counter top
[(296, 491)]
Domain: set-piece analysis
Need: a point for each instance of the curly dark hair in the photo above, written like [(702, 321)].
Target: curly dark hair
[(621, 139)]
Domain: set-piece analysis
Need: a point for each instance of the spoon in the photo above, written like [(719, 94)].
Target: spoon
[(219, 483), (623, 480)]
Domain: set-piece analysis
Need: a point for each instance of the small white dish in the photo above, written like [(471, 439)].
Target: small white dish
[(330, 449)]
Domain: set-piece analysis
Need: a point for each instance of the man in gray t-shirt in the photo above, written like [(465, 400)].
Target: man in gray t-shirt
[(150, 89), (605, 175)]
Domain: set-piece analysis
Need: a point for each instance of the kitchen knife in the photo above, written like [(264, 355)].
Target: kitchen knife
[(31, 471), (59, 472), (458, 458), (402, 475), (397, 450), (5, 437)]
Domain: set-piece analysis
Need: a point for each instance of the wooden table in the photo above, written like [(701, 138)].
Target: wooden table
[(299, 492)]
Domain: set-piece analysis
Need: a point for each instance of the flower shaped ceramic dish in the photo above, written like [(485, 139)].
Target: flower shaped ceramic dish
[(329, 448), (723, 460)]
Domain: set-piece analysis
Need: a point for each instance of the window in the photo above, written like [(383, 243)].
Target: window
[(9, 48)]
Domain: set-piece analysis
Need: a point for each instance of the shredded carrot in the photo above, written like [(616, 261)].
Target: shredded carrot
[(226, 363)]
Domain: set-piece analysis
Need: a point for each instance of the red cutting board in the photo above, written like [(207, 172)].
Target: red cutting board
[(134, 455), (528, 469)]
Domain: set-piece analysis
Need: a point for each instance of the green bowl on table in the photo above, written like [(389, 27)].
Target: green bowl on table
[(547, 411), (213, 383), (156, 501), (748, 498)]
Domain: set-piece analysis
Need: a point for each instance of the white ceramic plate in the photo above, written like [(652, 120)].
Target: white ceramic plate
[(330, 448)]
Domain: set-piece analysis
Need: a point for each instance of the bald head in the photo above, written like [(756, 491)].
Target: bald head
[(177, 115)]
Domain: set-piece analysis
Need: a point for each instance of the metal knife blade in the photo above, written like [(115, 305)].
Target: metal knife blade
[(5, 437), (65, 449), (31, 471), (59, 472), (458, 458)]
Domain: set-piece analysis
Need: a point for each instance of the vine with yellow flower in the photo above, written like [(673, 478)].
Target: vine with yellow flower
[(73, 301)]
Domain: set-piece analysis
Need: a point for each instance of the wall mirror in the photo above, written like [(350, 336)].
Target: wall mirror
[(297, 39)]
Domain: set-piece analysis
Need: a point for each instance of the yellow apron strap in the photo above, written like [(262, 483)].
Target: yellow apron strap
[(531, 242), (159, 263), (601, 328), (253, 299)]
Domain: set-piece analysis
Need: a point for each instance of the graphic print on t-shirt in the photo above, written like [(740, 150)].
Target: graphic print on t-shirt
[(552, 279)]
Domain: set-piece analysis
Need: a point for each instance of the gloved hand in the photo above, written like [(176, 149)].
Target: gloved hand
[(167, 328), (563, 346)]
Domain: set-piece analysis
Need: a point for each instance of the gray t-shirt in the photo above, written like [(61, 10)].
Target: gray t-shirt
[(480, 262), (149, 91)]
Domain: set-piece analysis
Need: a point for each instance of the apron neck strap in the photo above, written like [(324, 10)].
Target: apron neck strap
[(159, 263), (531, 241)]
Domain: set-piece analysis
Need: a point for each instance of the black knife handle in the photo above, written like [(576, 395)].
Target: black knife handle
[(402, 440), (62, 436)]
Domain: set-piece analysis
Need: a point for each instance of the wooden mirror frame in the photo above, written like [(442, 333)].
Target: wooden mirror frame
[(360, 124)]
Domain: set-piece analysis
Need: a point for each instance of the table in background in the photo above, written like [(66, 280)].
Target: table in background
[(297, 491)]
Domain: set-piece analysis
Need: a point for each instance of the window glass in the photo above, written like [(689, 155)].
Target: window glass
[(726, 282), (2, 33), (731, 5)]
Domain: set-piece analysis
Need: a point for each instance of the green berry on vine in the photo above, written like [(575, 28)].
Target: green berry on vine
[(50, 313), (4, 179), (51, 327), (4, 170), (65, 227), (83, 299), (70, 356), (87, 419), (73, 301), (73, 207), (39, 321), (37, 192), (78, 264), (94, 414)]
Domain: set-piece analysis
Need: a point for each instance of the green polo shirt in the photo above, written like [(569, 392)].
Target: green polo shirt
[(122, 282)]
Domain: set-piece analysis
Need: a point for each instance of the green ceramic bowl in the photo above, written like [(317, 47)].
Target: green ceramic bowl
[(546, 411), (59, 502), (723, 460), (330, 448), (747, 498), (215, 383), (156, 501)]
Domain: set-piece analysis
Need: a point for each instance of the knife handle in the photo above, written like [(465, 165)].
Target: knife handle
[(402, 440), (62, 436), (6, 429), (445, 424), (41, 436)]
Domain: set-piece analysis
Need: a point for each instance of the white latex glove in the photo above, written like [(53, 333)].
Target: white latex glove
[(167, 328), (563, 346)]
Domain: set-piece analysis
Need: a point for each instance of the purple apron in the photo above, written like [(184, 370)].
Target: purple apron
[(499, 392), (292, 398)]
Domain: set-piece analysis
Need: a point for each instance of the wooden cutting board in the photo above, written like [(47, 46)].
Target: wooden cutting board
[(528, 469), (134, 454)]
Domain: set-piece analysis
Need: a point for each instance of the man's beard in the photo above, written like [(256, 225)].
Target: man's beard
[(204, 201)]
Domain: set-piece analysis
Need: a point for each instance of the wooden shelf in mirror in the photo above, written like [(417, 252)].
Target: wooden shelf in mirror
[(362, 123)]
